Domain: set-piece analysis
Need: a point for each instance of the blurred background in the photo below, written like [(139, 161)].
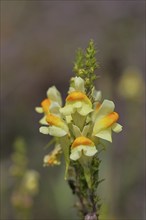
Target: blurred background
[(38, 44)]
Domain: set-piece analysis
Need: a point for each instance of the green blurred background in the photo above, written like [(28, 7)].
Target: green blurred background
[(38, 44)]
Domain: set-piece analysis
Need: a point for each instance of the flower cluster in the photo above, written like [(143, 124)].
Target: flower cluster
[(78, 128), (79, 125)]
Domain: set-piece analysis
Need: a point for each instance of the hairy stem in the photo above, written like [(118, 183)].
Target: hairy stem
[(87, 205)]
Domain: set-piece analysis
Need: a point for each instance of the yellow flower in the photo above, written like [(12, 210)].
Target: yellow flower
[(77, 101), (57, 126), (52, 117), (82, 146), (53, 158), (105, 120), (51, 104)]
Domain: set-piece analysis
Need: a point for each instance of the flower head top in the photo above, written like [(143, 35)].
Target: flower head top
[(77, 84), (77, 100)]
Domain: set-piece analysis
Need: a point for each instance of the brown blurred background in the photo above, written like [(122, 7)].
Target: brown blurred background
[(38, 44)]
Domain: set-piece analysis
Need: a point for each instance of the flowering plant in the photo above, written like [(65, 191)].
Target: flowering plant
[(78, 129)]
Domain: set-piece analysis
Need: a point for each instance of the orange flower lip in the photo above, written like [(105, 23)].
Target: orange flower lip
[(45, 105), (110, 119), (54, 120), (77, 96), (82, 141)]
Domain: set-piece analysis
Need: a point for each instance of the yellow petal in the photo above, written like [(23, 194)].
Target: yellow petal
[(45, 105), (54, 95), (43, 121), (78, 96), (81, 151), (77, 84), (56, 131), (54, 120), (82, 141), (109, 119), (105, 134), (117, 127), (44, 130), (39, 109), (105, 109), (66, 110), (75, 155), (105, 122), (85, 110)]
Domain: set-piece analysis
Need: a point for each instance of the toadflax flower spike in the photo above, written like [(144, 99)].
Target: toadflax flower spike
[(77, 128), (105, 121)]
